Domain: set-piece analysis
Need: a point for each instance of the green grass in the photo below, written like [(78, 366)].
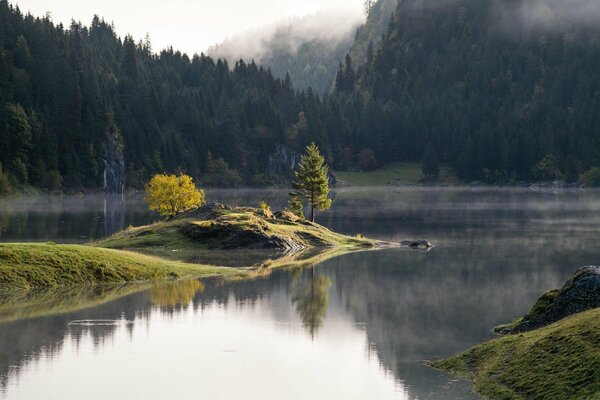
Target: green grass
[(559, 361), (37, 265), (392, 174)]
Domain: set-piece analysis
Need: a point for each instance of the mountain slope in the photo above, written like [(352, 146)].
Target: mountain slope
[(503, 89), (307, 48)]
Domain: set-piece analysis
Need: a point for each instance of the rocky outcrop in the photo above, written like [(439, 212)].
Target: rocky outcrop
[(580, 293), (283, 160), (114, 161), (417, 244), (207, 211), (225, 236)]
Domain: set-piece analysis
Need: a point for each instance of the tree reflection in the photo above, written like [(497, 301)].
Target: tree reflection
[(175, 293), (311, 301)]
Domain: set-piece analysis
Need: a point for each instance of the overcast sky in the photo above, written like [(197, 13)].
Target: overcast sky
[(188, 25)]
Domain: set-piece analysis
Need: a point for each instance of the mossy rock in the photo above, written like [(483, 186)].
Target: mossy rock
[(580, 293)]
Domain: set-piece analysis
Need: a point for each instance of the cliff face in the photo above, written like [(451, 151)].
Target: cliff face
[(114, 161)]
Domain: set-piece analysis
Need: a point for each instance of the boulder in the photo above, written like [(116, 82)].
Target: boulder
[(287, 216), (417, 244), (580, 293), (205, 212)]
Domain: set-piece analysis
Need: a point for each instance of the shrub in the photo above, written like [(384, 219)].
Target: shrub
[(266, 209), (591, 178)]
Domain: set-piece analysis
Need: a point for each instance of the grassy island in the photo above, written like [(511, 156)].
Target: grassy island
[(281, 240)]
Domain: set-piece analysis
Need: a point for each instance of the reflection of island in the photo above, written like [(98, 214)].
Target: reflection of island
[(311, 301), (176, 294)]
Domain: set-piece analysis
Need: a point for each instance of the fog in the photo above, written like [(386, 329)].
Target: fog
[(328, 26)]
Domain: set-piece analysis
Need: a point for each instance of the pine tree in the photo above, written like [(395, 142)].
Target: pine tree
[(295, 205), (431, 168), (312, 180)]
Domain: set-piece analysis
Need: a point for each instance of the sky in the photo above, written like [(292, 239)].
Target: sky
[(188, 25)]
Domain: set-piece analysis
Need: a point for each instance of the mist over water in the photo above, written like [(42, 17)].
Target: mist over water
[(356, 326)]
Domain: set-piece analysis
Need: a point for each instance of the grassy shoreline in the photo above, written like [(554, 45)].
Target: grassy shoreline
[(559, 361), (44, 265), (123, 257)]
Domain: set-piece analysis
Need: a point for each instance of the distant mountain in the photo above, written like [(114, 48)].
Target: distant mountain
[(372, 31), (307, 48)]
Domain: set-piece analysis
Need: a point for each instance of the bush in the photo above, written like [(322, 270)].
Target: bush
[(4, 183), (52, 181), (591, 178), (366, 159), (221, 175), (266, 209), (547, 169)]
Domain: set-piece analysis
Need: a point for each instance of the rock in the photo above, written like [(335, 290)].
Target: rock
[(224, 236), (287, 216), (283, 160), (206, 211), (580, 293), (417, 244), (114, 161)]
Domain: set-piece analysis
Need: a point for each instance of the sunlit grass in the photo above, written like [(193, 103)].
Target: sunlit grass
[(560, 361), (37, 265)]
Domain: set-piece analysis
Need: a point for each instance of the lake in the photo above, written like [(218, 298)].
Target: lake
[(354, 327)]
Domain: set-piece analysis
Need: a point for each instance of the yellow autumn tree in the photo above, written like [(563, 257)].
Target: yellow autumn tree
[(171, 194)]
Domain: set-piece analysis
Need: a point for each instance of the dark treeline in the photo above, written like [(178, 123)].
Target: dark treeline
[(80, 106), (499, 95)]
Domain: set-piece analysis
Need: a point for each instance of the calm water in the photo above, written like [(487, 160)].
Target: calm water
[(354, 327)]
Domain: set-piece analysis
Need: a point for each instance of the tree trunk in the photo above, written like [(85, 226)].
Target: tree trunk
[(312, 214)]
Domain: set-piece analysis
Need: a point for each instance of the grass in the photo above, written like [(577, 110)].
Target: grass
[(559, 361), (272, 242), (230, 229), (37, 265), (393, 174)]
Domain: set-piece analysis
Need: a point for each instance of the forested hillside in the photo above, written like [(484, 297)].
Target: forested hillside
[(369, 35), (82, 108), (494, 89), (502, 89)]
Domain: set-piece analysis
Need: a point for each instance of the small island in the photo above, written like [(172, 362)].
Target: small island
[(152, 252), (120, 258)]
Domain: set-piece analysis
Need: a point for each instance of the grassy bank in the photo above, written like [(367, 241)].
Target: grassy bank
[(560, 361), (36, 265), (393, 174)]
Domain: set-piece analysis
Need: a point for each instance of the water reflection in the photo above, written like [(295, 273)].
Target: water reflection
[(311, 300), (354, 326)]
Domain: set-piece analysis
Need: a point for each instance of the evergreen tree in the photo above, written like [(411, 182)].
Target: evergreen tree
[(312, 180), (295, 205), (431, 168)]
